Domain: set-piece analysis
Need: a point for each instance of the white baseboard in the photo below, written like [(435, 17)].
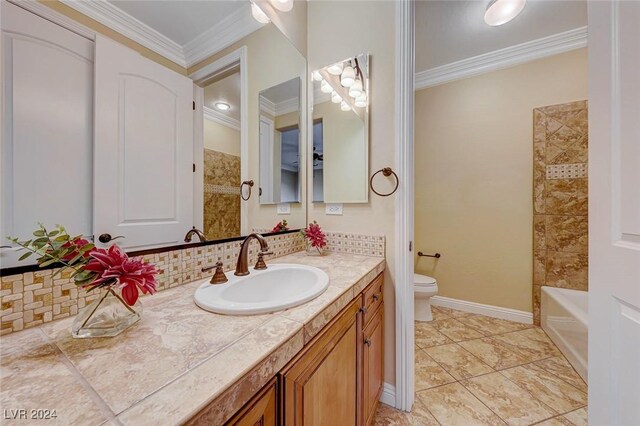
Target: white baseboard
[(388, 395), (488, 310)]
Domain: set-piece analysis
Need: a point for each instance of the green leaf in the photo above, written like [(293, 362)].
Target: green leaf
[(53, 233), (24, 256), (85, 248), (63, 238), (38, 233), (48, 262)]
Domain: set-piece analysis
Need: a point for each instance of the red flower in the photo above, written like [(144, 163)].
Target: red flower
[(280, 227), (314, 234), (114, 266), (77, 244)]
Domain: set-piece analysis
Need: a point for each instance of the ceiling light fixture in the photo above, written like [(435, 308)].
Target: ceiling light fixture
[(499, 12), (348, 76), (335, 69), (282, 5), (258, 14), (222, 106)]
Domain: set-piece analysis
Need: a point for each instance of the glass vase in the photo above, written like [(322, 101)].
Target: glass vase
[(315, 251), (107, 316)]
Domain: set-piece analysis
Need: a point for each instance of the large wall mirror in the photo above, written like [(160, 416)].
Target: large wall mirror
[(279, 137), (253, 137), (340, 146)]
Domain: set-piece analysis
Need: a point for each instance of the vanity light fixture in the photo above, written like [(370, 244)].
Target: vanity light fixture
[(348, 76), (222, 106), (361, 101), (499, 12), (336, 98), (335, 69), (356, 89), (258, 14), (282, 5), (325, 87), (344, 106), (316, 75)]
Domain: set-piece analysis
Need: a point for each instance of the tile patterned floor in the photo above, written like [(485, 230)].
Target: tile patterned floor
[(477, 370)]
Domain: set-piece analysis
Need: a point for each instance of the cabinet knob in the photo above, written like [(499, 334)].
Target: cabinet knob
[(367, 342), (105, 238), (376, 297)]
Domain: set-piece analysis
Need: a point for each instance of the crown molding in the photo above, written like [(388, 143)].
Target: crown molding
[(216, 116), (267, 106), (287, 106), (228, 31), (503, 58), (125, 24)]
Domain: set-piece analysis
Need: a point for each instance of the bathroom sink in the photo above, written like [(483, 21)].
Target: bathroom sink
[(278, 287)]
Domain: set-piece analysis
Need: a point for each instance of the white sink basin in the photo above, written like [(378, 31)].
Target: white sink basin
[(278, 287)]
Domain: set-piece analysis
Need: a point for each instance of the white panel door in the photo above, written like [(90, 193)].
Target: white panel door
[(143, 149), (614, 213), (47, 133)]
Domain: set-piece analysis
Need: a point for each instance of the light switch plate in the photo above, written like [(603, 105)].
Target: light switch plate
[(334, 209), (284, 208)]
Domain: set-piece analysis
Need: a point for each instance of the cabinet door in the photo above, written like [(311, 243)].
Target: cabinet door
[(320, 386), (260, 411), (47, 131), (143, 148), (372, 366)]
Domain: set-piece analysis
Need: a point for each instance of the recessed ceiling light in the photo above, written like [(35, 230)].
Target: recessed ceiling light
[(222, 106), (500, 12)]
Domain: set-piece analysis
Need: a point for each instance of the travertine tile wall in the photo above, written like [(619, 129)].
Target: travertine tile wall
[(221, 195), (34, 298), (560, 199)]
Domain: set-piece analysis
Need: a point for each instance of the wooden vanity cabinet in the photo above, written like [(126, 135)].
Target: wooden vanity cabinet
[(321, 385), (262, 410)]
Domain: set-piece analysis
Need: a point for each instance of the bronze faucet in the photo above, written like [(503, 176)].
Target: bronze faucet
[(242, 267), (219, 277), (199, 233)]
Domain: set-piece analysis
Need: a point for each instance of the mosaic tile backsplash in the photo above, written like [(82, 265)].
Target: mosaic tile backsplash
[(560, 199), (34, 298)]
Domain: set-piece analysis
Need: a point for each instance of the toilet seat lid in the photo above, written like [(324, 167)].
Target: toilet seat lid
[(423, 280)]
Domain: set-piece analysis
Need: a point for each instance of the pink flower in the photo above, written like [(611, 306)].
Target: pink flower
[(78, 243), (314, 234), (114, 266)]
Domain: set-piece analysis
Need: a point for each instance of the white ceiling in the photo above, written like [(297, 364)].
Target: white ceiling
[(283, 91), (226, 90), (452, 30), (180, 21)]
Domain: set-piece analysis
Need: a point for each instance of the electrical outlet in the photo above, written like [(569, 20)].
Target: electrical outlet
[(284, 208), (333, 209)]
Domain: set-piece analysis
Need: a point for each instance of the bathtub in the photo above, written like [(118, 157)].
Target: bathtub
[(564, 316)]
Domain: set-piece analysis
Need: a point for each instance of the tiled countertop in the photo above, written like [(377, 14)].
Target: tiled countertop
[(175, 361)]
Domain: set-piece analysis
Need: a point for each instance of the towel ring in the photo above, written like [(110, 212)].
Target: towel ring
[(249, 183), (387, 171)]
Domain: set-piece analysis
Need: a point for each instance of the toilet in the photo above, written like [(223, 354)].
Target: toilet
[(425, 287)]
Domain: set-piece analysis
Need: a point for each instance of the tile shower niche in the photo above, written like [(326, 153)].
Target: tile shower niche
[(560, 198)]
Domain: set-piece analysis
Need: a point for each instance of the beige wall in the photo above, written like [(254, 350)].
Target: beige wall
[(104, 30), (271, 60), (221, 138), (474, 167), (333, 36)]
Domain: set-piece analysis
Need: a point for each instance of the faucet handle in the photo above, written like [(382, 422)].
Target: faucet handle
[(219, 276), (260, 263)]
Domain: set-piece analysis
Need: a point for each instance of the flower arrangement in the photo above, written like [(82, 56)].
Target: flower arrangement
[(93, 268), (281, 227), (314, 237)]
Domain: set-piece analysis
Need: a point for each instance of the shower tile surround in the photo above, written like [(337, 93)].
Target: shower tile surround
[(560, 198), (221, 195), (34, 298)]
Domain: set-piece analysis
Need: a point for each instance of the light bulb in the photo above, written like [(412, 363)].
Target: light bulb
[(361, 101), (335, 98), (325, 87), (500, 12), (282, 5), (356, 89), (344, 106), (316, 75), (335, 69), (258, 14), (348, 76), (222, 106)]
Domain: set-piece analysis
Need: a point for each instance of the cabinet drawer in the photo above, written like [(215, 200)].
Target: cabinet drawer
[(372, 298)]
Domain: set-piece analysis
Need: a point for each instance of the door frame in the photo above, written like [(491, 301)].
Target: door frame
[(200, 78), (403, 250)]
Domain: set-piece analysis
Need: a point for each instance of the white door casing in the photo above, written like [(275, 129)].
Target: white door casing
[(143, 148), (614, 213), (266, 148), (47, 143)]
